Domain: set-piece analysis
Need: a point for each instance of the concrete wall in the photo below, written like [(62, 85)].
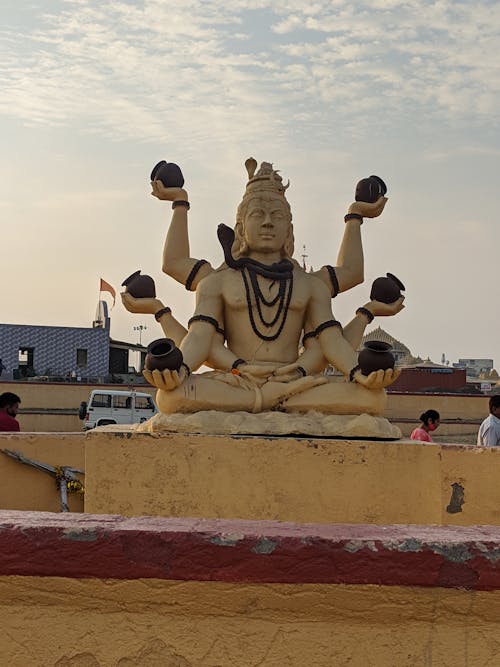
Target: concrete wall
[(104, 591), (303, 480)]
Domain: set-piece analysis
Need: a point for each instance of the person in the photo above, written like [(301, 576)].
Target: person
[(489, 431), (262, 303), (9, 406), (430, 421)]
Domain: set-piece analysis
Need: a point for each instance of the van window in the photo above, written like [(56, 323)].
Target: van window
[(101, 401), (144, 403), (124, 402)]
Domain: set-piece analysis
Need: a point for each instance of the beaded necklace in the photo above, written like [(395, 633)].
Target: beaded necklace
[(281, 272)]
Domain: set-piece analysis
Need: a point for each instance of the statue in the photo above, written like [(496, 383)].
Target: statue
[(261, 321)]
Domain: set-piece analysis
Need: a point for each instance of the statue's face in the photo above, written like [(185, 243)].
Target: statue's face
[(266, 223)]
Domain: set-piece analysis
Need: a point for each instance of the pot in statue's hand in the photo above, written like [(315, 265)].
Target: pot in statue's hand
[(163, 354), (386, 289), (375, 356), (140, 286), (370, 189), (168, 173)]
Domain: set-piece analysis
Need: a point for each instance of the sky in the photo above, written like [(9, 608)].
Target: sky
[(93, 94)]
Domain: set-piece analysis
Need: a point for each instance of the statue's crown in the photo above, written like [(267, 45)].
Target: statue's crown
[(266, 178)]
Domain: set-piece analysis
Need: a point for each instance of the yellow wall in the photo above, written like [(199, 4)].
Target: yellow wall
[(289, 479), (256, 478), (25, 488), (94, 623)]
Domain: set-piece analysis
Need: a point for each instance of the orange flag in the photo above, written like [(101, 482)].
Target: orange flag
[(106, 287)]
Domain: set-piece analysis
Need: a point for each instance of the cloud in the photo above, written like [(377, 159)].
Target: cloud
[(172, 70)]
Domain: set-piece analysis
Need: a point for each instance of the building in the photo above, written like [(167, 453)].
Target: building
[(475, 367), (61, 353)]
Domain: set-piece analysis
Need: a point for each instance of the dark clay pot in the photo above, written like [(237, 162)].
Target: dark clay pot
[(375, 356), (370, 189), (140, 286), (168, 173), (161, 354), (386, 290)]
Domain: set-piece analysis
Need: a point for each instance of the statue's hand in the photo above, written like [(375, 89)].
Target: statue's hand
[(380, 309), (167, 194), (165, 380), (368, 210), (288, 373), (377, 379), (145, 306), (257, 373)]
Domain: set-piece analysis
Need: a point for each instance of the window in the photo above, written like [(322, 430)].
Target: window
[(81, 357), (122, 402), (143, 403), (101, 401)]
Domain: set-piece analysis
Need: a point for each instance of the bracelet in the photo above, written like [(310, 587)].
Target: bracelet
[(163, 311), (367, 313), (302, 371), (327, 325), (181, 202), (353, 216), (237, 363), (309, 334), (188, 370), (193, 272), (353, 370)]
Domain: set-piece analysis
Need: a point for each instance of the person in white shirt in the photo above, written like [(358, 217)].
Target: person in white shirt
[(489, 431)]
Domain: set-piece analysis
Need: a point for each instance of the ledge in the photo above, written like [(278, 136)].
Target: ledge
[(114, 547)]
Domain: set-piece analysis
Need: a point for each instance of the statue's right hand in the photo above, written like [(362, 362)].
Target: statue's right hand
[(165, 380), (144, 306), (167, 194)]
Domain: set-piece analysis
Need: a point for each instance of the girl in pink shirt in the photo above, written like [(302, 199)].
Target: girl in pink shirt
[(430, 421)]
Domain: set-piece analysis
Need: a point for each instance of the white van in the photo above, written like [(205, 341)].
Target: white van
[(116, 407)]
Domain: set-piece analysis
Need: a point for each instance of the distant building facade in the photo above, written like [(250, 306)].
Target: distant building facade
[(475, 367)]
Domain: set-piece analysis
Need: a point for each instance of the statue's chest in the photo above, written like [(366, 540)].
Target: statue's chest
[(241, 292)]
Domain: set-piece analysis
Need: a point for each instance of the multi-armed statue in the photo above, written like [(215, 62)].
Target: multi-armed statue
[(262, 323)]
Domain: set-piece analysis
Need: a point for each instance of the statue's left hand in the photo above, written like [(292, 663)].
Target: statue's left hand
[(145, 306), (368, 210), (165, 380), (377, 379)]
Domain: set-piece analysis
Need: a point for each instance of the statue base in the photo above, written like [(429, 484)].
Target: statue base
[(314, 424)]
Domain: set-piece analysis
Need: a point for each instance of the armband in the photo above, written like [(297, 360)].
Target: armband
[(309, 334), (193, 272), (302, 371), (163, 311), (367, 313), (327, 325), (208, 320), (333, 280)]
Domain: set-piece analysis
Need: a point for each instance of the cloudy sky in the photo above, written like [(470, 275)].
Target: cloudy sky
[(93, 94)]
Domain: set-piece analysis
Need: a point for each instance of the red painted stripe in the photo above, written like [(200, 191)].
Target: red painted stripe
[(104, 546)]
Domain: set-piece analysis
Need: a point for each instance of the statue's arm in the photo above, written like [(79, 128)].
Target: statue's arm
[(354, 331), (349, 270), (205, 323), (177, 262), (171, 327), (337, 350)]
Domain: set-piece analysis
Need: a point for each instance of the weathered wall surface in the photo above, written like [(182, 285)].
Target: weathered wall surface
[(25, 488), (304, 480), (291, 479), (192, 594)]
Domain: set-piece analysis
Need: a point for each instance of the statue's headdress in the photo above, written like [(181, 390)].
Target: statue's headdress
[(266, 178)]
